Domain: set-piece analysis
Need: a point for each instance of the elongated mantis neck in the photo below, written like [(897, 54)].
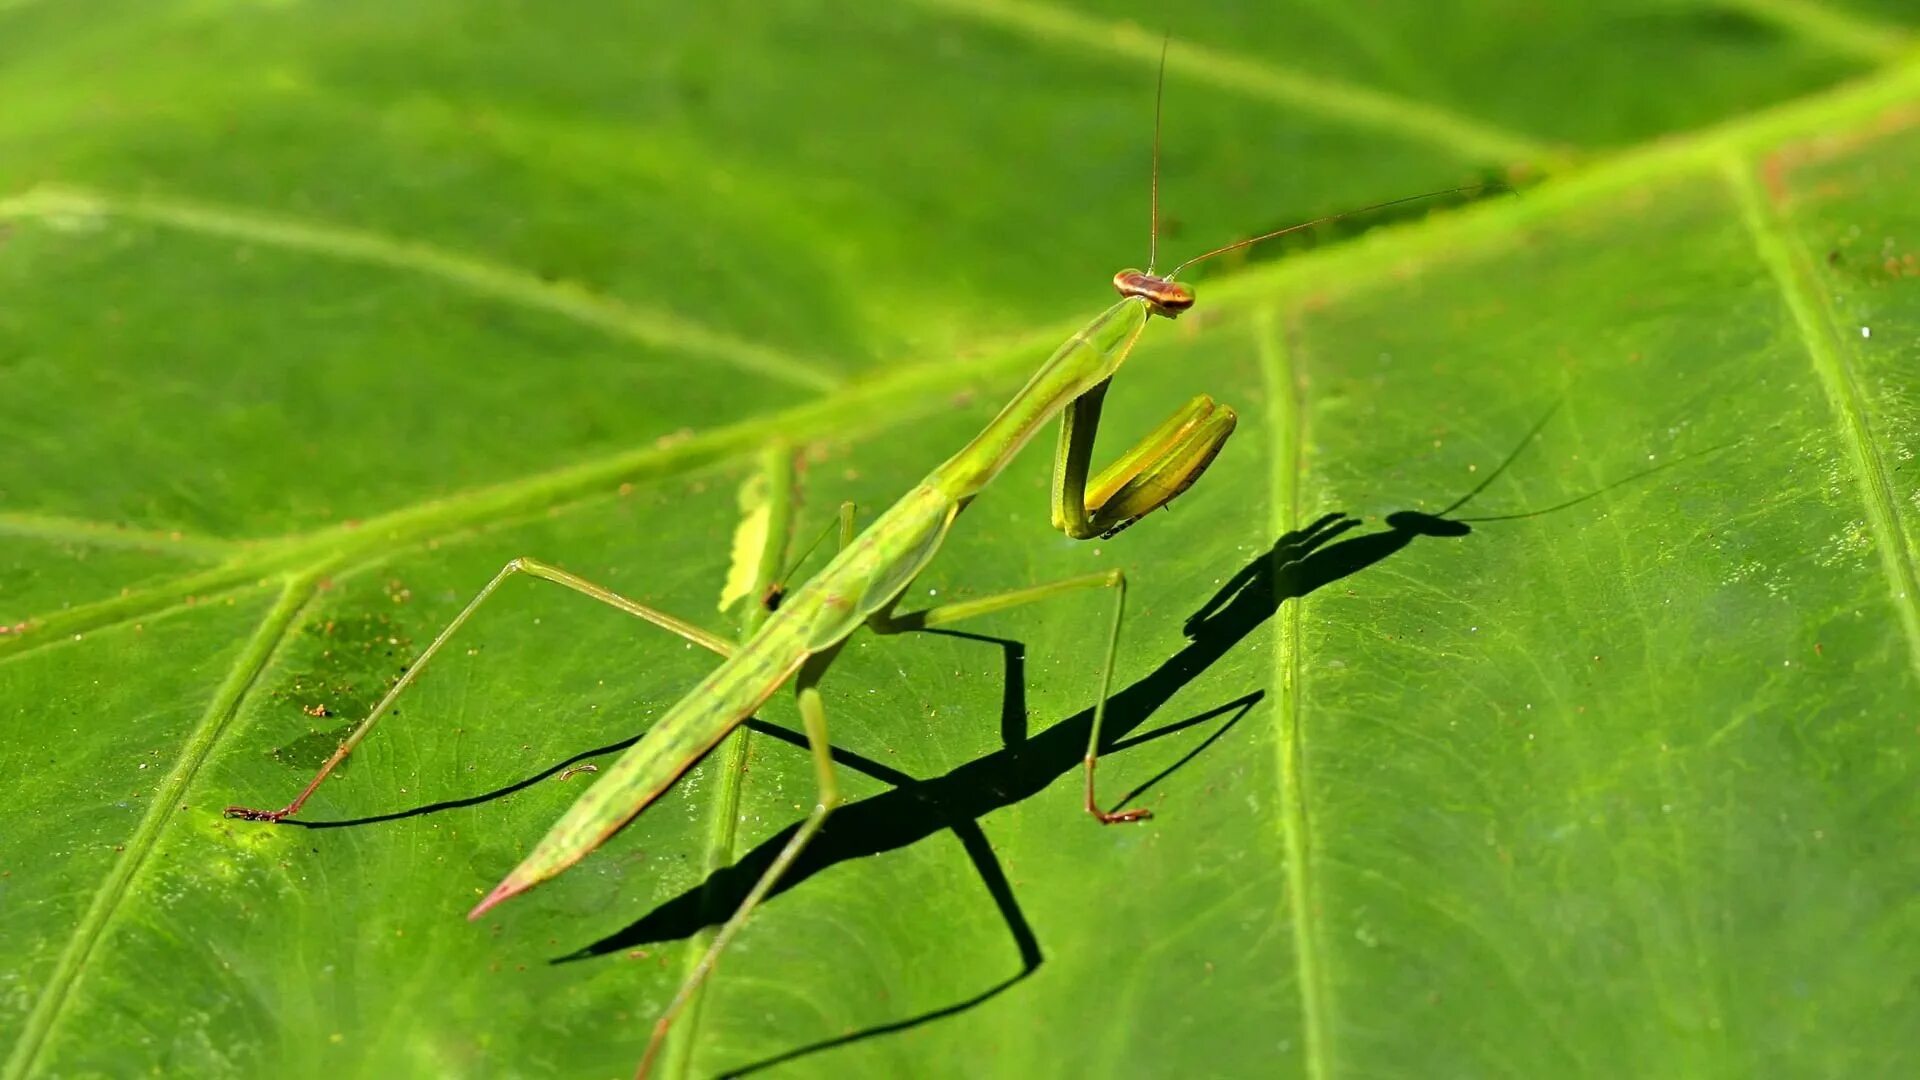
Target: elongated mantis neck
[(1087, 359)]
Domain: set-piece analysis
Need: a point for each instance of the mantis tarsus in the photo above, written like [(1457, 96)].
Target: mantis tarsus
[(861, 585)]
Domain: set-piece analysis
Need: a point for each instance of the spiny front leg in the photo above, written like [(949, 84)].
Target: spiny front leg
[(1144, 479)]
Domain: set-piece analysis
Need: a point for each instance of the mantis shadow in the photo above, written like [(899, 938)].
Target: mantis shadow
[(1298, 563)]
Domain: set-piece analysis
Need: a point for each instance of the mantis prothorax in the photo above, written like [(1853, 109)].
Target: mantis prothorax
[(860, 586)]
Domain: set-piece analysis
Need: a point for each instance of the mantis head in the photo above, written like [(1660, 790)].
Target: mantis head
[(1164, 296)]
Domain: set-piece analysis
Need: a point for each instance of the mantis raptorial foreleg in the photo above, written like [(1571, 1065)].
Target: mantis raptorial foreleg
[(1145, 478), (531, 567)]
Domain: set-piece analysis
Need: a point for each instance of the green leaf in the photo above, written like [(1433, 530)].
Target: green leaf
[(1582, 740)]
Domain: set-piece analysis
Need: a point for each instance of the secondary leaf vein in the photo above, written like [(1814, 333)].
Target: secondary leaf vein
[(93, 924), (1787, 262), (654, 328), (1841, 31), (108, 535), (1285, 433), (1346, 102)]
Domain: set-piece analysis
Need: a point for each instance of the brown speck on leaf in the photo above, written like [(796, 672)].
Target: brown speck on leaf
[(1773, 173), (1819, 649), (316, 710), (626, 488)]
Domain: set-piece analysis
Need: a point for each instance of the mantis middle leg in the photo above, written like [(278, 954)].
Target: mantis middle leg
[(946, 614)]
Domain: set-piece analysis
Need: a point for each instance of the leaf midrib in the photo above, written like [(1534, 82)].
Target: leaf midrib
[(1333, 270), (1349, 266)]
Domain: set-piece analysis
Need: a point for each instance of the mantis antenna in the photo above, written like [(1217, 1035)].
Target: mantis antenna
[(1252, 240), (1167, 298), (1153, 184)]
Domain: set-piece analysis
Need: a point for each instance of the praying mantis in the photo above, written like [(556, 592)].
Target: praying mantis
[(800, 637)]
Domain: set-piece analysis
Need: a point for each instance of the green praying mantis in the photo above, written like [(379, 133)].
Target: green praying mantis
[(863, 583)]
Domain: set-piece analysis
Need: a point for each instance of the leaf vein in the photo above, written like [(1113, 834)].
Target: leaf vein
[(1380, 255), (110, 535), (1843, 32), (92, 927), (899, 399), (654, 328), (1285, 433), (1347, 102), (1786, 261)]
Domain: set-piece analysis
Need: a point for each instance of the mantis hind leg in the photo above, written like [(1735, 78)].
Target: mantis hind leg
[(1116, 580), (813, 714), (532, 567)]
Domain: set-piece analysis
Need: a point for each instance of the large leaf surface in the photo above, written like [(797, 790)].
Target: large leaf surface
[(312, 318)]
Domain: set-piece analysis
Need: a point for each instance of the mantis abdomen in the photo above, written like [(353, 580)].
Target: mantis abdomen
[(863, 579)]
